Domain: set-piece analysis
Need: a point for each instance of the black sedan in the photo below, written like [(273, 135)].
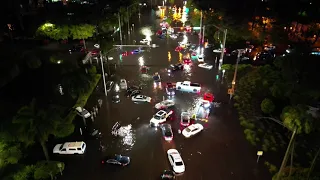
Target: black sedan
[(117, 160), (167, 175), (175, 67), (167, 132), (133, 93)]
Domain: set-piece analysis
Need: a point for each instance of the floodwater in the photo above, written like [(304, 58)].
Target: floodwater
[(218, 152)]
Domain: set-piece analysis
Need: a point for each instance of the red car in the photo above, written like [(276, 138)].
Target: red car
[(208, 96), (187, 61), (125, 53), (95, 52), (178, 49)]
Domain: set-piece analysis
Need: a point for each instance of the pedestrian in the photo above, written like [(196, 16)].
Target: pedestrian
[(94, 113), (97, 109)]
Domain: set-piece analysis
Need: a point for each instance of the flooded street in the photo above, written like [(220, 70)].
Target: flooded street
[(219, 152)]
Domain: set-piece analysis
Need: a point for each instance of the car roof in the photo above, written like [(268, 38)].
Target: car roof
[(192, 127), (73, 144), (176, 156), (160, 113), (166, 126), (139, 96)]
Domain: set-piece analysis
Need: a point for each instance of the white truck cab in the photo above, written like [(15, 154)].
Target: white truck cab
[(188, 86), (70, 148)]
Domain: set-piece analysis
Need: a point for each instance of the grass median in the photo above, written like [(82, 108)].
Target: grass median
[(83, 98)]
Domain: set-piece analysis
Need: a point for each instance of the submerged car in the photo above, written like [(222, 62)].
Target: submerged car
[(123, 84), (117, 160), (167, 132), (82, 112), (205, 66), (168, 175), (185, 119), (160, 117), (141, 98), (164, 104), (192, 130), (170, 89), (176, 161), (175, 67), (116, 98)]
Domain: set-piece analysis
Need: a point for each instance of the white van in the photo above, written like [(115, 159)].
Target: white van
[(70, 148)]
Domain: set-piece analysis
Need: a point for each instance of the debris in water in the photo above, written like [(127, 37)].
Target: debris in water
[(198, 152)]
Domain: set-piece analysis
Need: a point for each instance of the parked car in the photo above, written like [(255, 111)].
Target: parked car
[(200, 59), (188, 86), (123, 84), (192, 130), (117, 160), (109, 85), (164, 104), (176, 161), (70, 148), (82, 112), (205, 66), (175, 67), (160, 117), (133, 93), (168, 175), (141, 98), (167, 132), (185, 119), (116, 98)]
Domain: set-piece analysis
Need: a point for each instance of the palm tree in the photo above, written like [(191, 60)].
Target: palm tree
[(34, 124)]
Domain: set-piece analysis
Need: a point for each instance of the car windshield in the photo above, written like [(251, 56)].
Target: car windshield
[(61, 146), (156, 117), (188, 130), (179, 163), (185, 119)]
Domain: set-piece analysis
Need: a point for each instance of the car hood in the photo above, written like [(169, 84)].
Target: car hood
[(56, 148), (158, 105), (179, 169), (185, 133)]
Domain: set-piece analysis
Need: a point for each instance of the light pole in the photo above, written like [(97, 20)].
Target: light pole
[(200, 34), (103, 75), (286, 155), (231, 92), (140, 4), (120, 28)]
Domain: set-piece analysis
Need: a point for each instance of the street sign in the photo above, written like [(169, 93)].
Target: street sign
[(230, 91)]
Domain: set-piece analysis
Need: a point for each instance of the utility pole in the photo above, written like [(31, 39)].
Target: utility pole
[(203, 34), (286, 156), (128, 19), (120, 28), (200, 34), (103, 75), (231, 91), (223, 46)]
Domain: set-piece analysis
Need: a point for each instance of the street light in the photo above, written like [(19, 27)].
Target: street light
[(103, 75), (231, 91), (140, 4)]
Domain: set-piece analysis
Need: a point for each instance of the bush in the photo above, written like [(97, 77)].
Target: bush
[(272, 168), (251, 136)]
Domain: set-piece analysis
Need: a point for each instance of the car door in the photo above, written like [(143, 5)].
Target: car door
[(63, 151), (171, 160)]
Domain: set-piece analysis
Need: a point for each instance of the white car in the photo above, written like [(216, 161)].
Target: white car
[(200, 58), (141, 98), (164, 104), (205, 66), (185, 119), (144, 41), (110, 58), (160, 117), (217, 50), (173, 36), (176, 161), (83, 112), (70, 148), (192, 130), (123, 84)]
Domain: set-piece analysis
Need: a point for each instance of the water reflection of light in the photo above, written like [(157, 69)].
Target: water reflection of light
[(169, 56), (146, 31), (141, 61), (157, 85), (180, 57), (128, 138)]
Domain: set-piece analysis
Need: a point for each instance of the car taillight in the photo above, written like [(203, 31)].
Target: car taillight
[(102, 162), (171, 112)]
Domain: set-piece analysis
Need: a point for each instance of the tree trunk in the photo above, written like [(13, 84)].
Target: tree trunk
[(313, 163), (44, 149), (291, 161), (84, 44)]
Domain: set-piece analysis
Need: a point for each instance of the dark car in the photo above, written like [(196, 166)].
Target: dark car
[(174, 67), (170, 89), (117, 160), (77, 48), (132, 88), (167, 132), (109, 85), (133, 92), (116, 98), (168, 175)]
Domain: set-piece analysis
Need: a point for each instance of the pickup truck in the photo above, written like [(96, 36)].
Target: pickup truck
[(188, 86)]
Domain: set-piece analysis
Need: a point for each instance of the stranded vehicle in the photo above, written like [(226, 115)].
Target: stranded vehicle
[(160, 117), (188, 86), (170, 89)]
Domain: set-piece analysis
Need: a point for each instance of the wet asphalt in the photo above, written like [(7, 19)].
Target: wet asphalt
[(219, 152)]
